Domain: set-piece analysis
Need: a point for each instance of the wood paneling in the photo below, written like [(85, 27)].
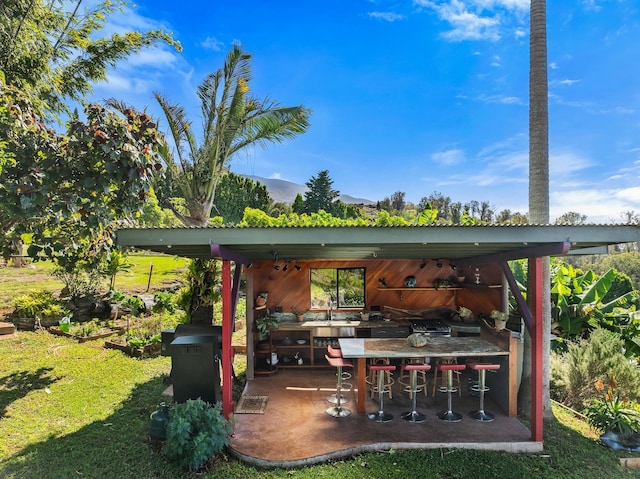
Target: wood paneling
[(291, 287)]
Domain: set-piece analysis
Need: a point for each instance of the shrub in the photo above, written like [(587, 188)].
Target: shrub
[(38, 302), (614, 413), (196, 431), (163, 302), (575, 372)]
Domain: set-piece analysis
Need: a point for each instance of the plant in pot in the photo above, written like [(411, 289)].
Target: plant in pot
[(615, 419), (265, 323), (466, 315), (298, 313), (202, 290), (499, 319)]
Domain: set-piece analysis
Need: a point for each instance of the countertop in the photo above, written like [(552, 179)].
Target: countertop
[(340, 323)]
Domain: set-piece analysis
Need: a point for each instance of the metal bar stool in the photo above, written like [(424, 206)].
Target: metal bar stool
[(372, 378), (342, 377), (413, 369), (443, 387), (338, 363), (482, 368), (421, 377), (449, 415), (381, 370)]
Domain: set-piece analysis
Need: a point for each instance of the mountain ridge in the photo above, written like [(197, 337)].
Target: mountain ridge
[(283, 191)]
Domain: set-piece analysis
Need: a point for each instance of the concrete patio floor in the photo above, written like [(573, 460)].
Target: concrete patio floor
[(296, 430)]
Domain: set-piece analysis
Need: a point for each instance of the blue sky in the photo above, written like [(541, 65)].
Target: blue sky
[(418, 96)]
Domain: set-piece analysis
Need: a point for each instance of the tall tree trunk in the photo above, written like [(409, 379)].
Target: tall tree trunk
[(538, 188)]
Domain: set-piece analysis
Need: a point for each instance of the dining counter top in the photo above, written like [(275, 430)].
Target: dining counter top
[(436, 346), (339, 323)]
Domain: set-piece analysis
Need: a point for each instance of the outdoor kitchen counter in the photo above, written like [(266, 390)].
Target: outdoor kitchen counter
[(340, 323), (361, 349)]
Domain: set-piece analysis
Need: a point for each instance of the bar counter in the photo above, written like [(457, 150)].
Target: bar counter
[(362, 349)]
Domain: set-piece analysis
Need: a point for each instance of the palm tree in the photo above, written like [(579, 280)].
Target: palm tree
[(538, 185), (232, 120)]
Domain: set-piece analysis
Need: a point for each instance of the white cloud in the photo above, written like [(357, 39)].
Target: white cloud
[(387, 16), (212, 43), (478, 19), (449, 157), (501, 99)]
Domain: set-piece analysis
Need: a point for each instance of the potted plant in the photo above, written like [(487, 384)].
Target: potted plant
[(614, 418), (298, 314), (466, 315), (266, 323), (499, 319), (261, 299)]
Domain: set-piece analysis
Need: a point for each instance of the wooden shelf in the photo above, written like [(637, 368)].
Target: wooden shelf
[(443, 288)]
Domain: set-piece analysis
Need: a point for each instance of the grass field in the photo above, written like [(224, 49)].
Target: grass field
[(70, 410)]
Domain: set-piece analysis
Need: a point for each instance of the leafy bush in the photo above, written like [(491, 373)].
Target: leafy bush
[(614, 413), (163, 302), (196, 431), (38, 302), (136, 305), (575, 372)]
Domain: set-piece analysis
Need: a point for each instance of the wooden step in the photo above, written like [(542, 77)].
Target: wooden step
[(6, 328)]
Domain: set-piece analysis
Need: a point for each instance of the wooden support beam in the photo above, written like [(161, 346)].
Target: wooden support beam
[(227, 350), (534, 294)]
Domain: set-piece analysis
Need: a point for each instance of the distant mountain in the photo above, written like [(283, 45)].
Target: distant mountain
[(282, 191)]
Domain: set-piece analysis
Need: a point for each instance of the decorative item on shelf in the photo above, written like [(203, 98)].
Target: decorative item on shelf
[(441, 283), (417, 340), (410, 282), (466, 315), (298, 314), (261, 300), (364, 315), (298, 359), (460, 277), (499, 319), (383, 282)]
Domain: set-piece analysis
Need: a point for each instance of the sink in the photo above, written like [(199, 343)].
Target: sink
[(337, 323)]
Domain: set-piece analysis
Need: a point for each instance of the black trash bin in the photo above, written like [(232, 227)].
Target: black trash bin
[(195, 368)]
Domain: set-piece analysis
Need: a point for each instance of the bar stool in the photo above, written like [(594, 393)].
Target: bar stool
[(342, 377), (421, 377), (372, 378), (449, 415), (414, 369), (381, 370), (443, 387), (338, 410), (482, 368)]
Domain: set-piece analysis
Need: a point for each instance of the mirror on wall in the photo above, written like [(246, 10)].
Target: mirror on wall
[(343, 286)]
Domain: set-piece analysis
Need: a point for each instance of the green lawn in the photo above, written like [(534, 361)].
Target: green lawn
[(71, 410)]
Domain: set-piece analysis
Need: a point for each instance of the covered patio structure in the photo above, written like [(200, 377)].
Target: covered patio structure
[(471, 246)]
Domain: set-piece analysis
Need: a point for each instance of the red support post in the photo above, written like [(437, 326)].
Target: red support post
[(535, 297), (227, 350)]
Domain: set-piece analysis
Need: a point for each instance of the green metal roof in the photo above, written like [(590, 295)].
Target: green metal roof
[(474, 243)]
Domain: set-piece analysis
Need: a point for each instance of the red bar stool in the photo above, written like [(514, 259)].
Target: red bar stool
[(343, 376), (338, 363), (449, 415), (381, 370), (372, 378), (413, 369), (421, 378), (482, 368), (443, 387)]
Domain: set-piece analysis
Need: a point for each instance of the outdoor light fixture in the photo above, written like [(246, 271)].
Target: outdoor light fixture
[(286, 266), (439, 264), (423, 264), (275, 260), (297, 266), (453, 266)]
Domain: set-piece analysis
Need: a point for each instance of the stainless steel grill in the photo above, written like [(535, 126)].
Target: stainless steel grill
[(430, 327)]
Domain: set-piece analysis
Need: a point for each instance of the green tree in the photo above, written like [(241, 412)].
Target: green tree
[(320, 194), (571, 218), (298, 204), (232, 121), (54, 51), (235, 193), (70, 191)]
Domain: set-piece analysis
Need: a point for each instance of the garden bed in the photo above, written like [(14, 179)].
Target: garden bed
[(149, 351), (81, 339)]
